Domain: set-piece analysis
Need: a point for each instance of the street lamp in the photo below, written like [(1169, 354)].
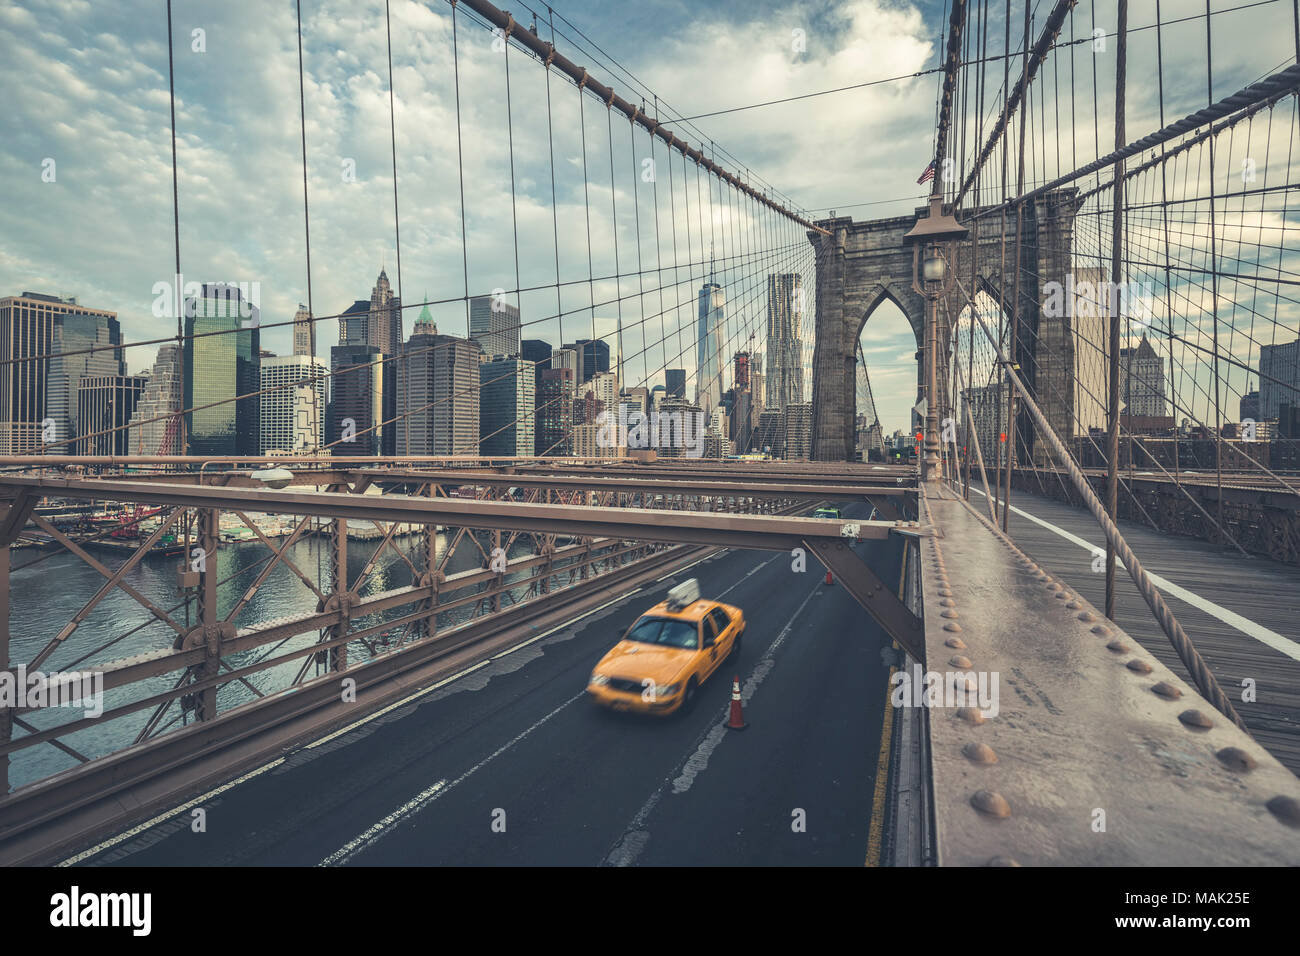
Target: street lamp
[(932, 279)]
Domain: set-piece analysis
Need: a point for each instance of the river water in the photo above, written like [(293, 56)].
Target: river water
[(47, 596)]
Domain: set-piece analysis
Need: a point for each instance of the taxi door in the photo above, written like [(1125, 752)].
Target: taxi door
[(719, 626)]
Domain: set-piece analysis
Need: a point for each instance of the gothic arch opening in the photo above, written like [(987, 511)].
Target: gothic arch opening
[(887, 374)]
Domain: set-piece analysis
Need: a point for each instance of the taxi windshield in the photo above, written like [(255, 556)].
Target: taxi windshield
[(666, 631)]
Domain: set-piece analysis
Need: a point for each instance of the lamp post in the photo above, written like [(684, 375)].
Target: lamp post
[(932, 279)]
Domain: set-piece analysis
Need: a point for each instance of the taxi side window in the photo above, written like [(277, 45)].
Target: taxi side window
[(720, 620), (710, 632)]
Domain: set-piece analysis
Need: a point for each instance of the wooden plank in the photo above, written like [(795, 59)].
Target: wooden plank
[(1263, 591)]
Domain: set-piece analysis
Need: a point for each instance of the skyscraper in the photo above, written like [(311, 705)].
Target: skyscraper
[(28, 325), (304, 332), (536, 351), (356, 402), (708, 346), (425, 325), (219, 367), (156, 427), (594, 357), (1278, 364), (784, 342), (438, 396), (567, 358), (757, 381), (105, 404), (384, 323), (353, 322), (384, 332), (494, 324), (769, 435), (1142, 381), (740, 376), (675, 382), (507, 406), (293, 403), (798, 431), (78, 333), (554, 412), (604, 388)]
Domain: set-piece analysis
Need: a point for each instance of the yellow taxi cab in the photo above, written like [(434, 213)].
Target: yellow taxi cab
[(668, 653)]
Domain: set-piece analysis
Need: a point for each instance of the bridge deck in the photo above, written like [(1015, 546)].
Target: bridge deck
[(1241, 612), (1080, 762)]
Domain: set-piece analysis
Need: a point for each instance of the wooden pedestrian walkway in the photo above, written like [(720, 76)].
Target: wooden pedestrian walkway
[(1242, 613)]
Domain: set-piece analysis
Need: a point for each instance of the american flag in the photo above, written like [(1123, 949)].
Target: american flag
[(927, 175)]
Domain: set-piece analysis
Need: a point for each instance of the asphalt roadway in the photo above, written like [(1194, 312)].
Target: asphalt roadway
[(511, 764)]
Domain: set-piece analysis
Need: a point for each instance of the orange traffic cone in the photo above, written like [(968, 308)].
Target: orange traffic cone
[(829, 579), (737, 718)]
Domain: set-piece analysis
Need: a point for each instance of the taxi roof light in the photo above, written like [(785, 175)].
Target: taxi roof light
[(684, 594)]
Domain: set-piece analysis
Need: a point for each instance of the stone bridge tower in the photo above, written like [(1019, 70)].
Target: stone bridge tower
[(861, 265)]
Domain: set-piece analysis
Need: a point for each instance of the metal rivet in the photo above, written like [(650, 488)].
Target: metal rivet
[(1074, 605), (1234, 758), (949, 614), (1002, 861), (1139, 666), (1118, 646), (979, 753), (1061, 595), (959, 661), (1286, 809), (956, 643), (963, 682), (972, 715), (945, 592), (992, 803), (947, 602), (1196, 720), (1101, 630), (952, 627), (1087, 616), (1167, 691)]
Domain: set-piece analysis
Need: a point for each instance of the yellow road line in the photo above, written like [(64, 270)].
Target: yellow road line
[(882, 780), (877, 826)]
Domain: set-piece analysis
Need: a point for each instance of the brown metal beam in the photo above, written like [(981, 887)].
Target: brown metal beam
[(873, 594), (645, 524)]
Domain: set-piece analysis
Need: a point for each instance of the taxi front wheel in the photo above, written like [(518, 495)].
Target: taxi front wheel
[(688, 697)]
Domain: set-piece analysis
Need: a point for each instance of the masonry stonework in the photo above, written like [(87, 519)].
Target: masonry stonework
[(861, 265)]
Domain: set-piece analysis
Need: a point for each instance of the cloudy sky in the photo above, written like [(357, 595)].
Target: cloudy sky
[(88, 109)]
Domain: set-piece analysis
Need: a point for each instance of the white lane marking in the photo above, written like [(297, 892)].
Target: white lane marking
[(636, 836), (469, 670), (163, 817), (417, 803), (353, 846), (758, 567), (687, 568), (1279, 643), (391, 707)]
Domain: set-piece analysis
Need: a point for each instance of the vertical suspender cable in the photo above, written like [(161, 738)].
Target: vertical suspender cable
[(1113, 305), (460, 165)]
